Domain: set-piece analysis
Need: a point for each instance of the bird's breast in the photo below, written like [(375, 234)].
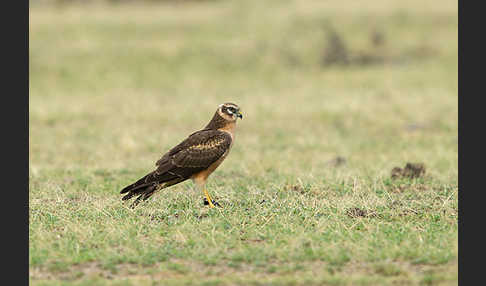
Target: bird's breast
[(201, 177), (230, 129)]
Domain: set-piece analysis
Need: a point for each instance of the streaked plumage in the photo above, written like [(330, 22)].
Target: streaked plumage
[(194, 158)]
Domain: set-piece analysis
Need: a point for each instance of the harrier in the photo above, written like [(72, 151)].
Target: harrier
[(194, 158)]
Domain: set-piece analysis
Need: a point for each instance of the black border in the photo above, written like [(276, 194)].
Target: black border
[(15, 130), (471, 206)]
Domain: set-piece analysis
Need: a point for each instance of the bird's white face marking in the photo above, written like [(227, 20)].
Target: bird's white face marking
[(229, 111)]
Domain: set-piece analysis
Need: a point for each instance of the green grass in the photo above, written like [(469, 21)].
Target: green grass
[(114, 87)]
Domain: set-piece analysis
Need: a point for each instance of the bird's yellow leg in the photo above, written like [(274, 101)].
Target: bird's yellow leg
[(210, 201)]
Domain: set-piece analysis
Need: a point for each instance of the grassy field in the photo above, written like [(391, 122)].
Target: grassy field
[(334, 95)]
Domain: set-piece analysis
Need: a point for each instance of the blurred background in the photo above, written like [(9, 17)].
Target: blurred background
[(114, 84)]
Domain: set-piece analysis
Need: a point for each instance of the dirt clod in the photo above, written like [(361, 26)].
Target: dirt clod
[(411, 170), (336, 52), (356, 212), (336, 162), (295, 188)]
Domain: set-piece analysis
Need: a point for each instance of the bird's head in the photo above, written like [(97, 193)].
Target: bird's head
[(229, 111)]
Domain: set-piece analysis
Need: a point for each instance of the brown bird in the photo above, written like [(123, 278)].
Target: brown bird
[(194, 158)]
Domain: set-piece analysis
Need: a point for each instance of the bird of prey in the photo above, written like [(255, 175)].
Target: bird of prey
[(194, 158)]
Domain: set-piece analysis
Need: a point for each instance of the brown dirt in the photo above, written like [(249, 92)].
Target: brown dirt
[(136, 272), (295, 188), (357, 212), (411, 170), (337, 162)]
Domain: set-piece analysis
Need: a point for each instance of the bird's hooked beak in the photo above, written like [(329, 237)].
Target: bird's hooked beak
[(239, 115)]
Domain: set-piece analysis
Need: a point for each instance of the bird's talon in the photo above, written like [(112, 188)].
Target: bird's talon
[(215, 203)]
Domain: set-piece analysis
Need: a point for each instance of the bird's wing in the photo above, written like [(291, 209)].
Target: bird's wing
[(196, 153)]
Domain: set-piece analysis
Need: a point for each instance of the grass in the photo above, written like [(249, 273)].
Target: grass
[(114, 87)]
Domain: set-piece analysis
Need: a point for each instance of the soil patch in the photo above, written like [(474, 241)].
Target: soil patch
[(411, 170), (357, 212)]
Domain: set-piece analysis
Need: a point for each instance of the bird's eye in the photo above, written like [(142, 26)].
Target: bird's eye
[(231, 110)]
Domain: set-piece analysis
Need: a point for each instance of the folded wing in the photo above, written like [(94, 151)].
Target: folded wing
[(194, 154)]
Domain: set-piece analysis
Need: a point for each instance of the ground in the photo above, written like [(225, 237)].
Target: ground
[(336, 97)]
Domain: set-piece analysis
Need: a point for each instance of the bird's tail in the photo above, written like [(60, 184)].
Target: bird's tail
[(139, 184), (144, 194), (145, 189)]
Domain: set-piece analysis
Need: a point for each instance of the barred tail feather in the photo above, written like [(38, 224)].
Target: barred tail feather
[(142, 182), (146, 190)]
